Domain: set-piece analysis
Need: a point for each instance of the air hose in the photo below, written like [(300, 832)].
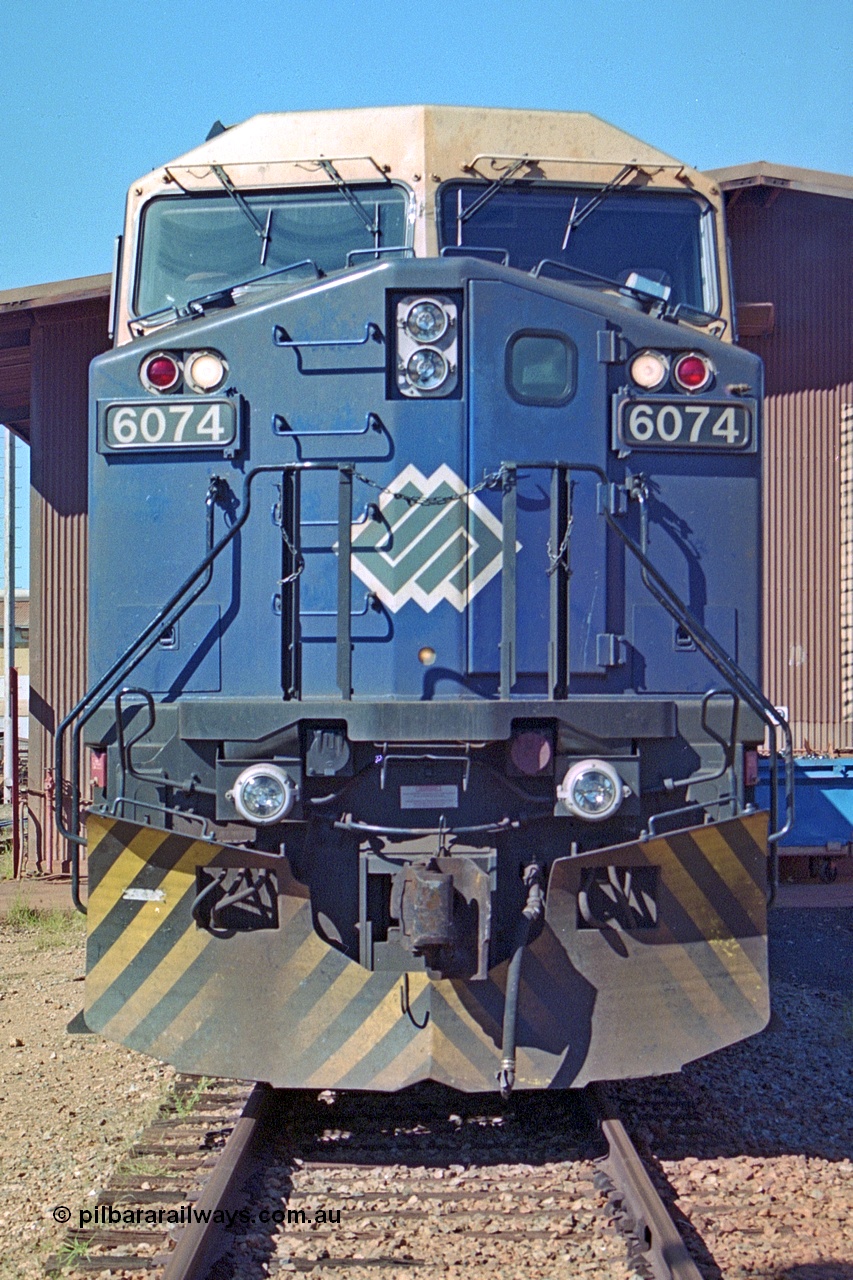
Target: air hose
[(531, 912)]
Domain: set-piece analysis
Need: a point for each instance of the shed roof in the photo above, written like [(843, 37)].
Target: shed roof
[(20, 309), (761, 173)]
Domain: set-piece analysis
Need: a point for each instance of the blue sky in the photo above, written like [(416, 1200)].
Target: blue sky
[(94, 93)]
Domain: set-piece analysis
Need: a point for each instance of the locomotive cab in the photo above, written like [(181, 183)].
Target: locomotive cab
[(430, 712)]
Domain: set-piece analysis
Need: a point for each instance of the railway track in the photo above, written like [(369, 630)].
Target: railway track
[(189, 1158), (427, 1182)]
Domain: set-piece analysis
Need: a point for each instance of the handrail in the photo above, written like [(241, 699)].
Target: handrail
[(371, 330), (471, 251), (657, 585), (195, 306), (166, 617)]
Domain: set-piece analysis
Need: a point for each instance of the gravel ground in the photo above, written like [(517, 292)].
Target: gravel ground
[(754, 1147), (69, 1105)]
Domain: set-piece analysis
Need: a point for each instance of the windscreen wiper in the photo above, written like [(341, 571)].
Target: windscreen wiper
[(264, 230), (462, 215), (577, 216), (372, 223)]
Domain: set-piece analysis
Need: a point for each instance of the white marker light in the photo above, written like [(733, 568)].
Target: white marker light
[(205, 371), (649, 370)]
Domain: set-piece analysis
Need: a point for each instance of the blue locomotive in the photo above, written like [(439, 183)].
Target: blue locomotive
[(424, 612)]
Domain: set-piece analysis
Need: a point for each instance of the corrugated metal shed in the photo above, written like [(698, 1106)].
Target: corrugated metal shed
[(791, 233), (48, 335)]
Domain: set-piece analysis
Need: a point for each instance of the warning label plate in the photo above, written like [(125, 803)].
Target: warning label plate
[(429, 797)]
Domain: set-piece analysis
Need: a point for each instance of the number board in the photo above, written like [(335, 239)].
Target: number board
[(170, 424), (685, 424)]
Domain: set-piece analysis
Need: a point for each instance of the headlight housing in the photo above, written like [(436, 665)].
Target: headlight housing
[(592, 790), (263, 794), (426, 356), (426, 369)]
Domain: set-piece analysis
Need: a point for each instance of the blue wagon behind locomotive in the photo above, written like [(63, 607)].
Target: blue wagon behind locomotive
[(424, 632)]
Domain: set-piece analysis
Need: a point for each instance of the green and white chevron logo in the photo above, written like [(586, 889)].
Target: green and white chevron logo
[(428, 552)]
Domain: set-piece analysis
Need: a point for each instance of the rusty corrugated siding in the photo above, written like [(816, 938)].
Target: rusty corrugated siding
[(793, 249), (63, 341), (806, 588)]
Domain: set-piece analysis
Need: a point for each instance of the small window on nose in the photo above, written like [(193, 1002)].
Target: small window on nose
[(541, 368)]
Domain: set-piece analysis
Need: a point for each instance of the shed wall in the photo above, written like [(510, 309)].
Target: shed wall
[(790, 248), (62, 343)]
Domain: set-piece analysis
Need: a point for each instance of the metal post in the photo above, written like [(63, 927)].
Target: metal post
[(345, 582), (509, 515), (10, 764), (15, 751), (558, 648)]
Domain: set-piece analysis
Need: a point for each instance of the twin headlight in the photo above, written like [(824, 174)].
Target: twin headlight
[(593, 790), (427, 361)]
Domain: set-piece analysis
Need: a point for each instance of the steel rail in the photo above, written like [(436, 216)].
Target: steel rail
[(201, 1242), (665, 1249)]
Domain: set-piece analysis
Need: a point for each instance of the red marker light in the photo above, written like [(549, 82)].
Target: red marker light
[(160, 372), (531, 752), (98, 768), (692, 372)]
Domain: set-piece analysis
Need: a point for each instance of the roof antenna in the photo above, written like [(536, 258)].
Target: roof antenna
[(215, 129)]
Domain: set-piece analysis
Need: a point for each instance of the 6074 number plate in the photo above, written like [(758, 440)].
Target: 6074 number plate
[(684, 424), (176, 424)]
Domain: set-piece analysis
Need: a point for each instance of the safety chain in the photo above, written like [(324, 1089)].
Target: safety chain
[(561, 559), (297, 558), (492, 480)]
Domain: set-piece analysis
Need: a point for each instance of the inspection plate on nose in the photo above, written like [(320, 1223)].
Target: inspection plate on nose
[(429, 796)]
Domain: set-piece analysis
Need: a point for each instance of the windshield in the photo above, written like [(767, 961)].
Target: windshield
[(663, 239), (193, 245)]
